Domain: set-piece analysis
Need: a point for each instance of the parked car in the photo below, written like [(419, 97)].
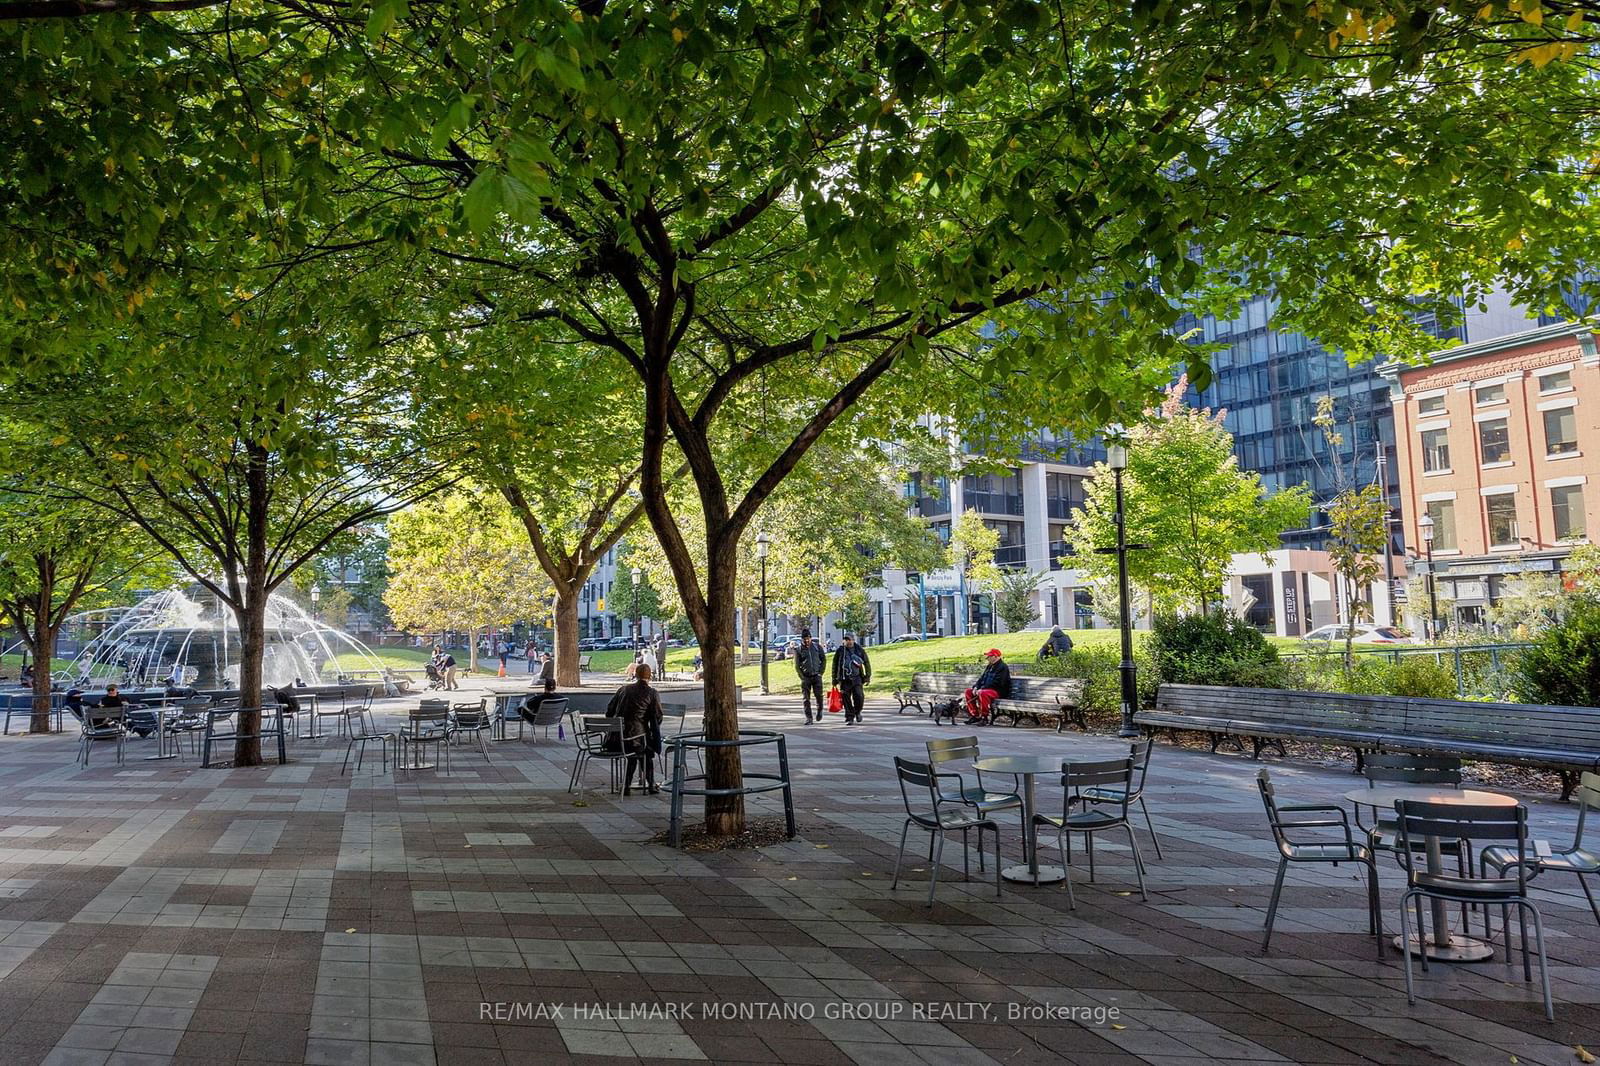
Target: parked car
[(619, 644), (908, 638), (1365, 633)]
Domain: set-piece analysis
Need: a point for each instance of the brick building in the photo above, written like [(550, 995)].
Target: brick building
[(1498, 442)]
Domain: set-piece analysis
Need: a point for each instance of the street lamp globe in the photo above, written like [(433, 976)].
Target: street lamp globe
[(1425, 526), (763, 545), (637, 574), (1117, 456)]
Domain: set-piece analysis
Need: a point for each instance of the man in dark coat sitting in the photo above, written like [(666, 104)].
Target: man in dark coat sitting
[(639, 707)]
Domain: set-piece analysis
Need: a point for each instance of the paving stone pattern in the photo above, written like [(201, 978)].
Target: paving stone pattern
[(156, 913)]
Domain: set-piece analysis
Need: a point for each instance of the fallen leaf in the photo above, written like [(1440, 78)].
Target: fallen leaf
[(349, 930), (1114, 1025), (823, 847), (1583, 1054)]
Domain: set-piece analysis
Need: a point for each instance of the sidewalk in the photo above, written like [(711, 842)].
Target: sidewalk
[(157, 913)]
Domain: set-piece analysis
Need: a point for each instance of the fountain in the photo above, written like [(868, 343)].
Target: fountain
[(171, 638)]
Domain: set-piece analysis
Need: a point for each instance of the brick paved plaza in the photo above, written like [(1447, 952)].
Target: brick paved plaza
[(159, 913)]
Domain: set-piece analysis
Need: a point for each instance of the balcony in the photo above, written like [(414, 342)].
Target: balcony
[(993, 502), (931, 506), (1011, 555), (1061, 507)]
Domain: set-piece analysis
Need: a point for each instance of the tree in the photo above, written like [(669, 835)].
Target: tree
[(271, 443), (1528, 602), (630, 601), (1358, 521), (1187, 503), (557, 443), (58, 556), (1013, 598), (460, 561), (848, 205), (457, 562), (971, 552), (1358, 529)]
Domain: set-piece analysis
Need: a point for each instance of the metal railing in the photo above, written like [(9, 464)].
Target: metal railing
[(1464, 659)]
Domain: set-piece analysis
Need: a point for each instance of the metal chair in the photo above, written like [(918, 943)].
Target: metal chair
[(426, 723), (985, 799), (1285, 820), (1140, 754), (472, 719), (1450, 821), (550, 711), (944, 811), (102, 723), (361, 734), (190, 721), (1075, 777), (681, 713), (1577, 859), (1402, 768), (600, 738)]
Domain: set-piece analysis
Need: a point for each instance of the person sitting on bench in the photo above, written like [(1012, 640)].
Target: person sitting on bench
[(993, 684)]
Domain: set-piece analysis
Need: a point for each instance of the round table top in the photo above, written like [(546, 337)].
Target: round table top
[(1385, 796), (1020, 764)]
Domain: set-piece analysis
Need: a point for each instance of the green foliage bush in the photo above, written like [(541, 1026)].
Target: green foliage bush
[(1563, 666), (1216, 649), (1417, 676), (1100, 668)]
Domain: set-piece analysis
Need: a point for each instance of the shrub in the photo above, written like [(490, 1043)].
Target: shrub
[(1416, 676), (1563, 666), (1216, 649), (1100, 668)]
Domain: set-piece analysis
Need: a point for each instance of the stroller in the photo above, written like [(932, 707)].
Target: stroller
[(435, 677)]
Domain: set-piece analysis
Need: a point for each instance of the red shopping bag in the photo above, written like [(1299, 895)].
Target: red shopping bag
[(835, 700)]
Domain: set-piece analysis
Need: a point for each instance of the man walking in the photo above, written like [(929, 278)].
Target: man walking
[(852, 670), (809, 660)]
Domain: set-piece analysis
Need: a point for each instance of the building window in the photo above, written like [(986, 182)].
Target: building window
[(1501, 509), (1561, 431), (1435, 450), (1495, 393), (1430, 405), (1494, 441), (1443, 513), (1566, 505), (1560, 381)]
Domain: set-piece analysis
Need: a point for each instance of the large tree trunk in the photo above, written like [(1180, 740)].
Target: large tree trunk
[(252, 650), (472, 650), (565, 644), (44, 646), (253, 617), (724, 768)]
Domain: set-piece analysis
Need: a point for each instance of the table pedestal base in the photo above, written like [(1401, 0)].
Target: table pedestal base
[(1048, 875), (154, 758), (1460, 949)]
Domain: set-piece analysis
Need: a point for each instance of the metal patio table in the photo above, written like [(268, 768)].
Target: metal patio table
[(1443, 945), (1026, 766)]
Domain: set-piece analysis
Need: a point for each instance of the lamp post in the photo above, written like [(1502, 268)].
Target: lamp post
[(1117, 460), (763, 545), (316, 597), (637, 619), (1425, 526)]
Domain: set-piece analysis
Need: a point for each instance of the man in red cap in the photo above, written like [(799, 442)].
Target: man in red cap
[(993, 684)]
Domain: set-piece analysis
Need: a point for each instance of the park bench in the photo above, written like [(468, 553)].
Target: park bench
[(1563, 739), (583, 662), (1057, 699)]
